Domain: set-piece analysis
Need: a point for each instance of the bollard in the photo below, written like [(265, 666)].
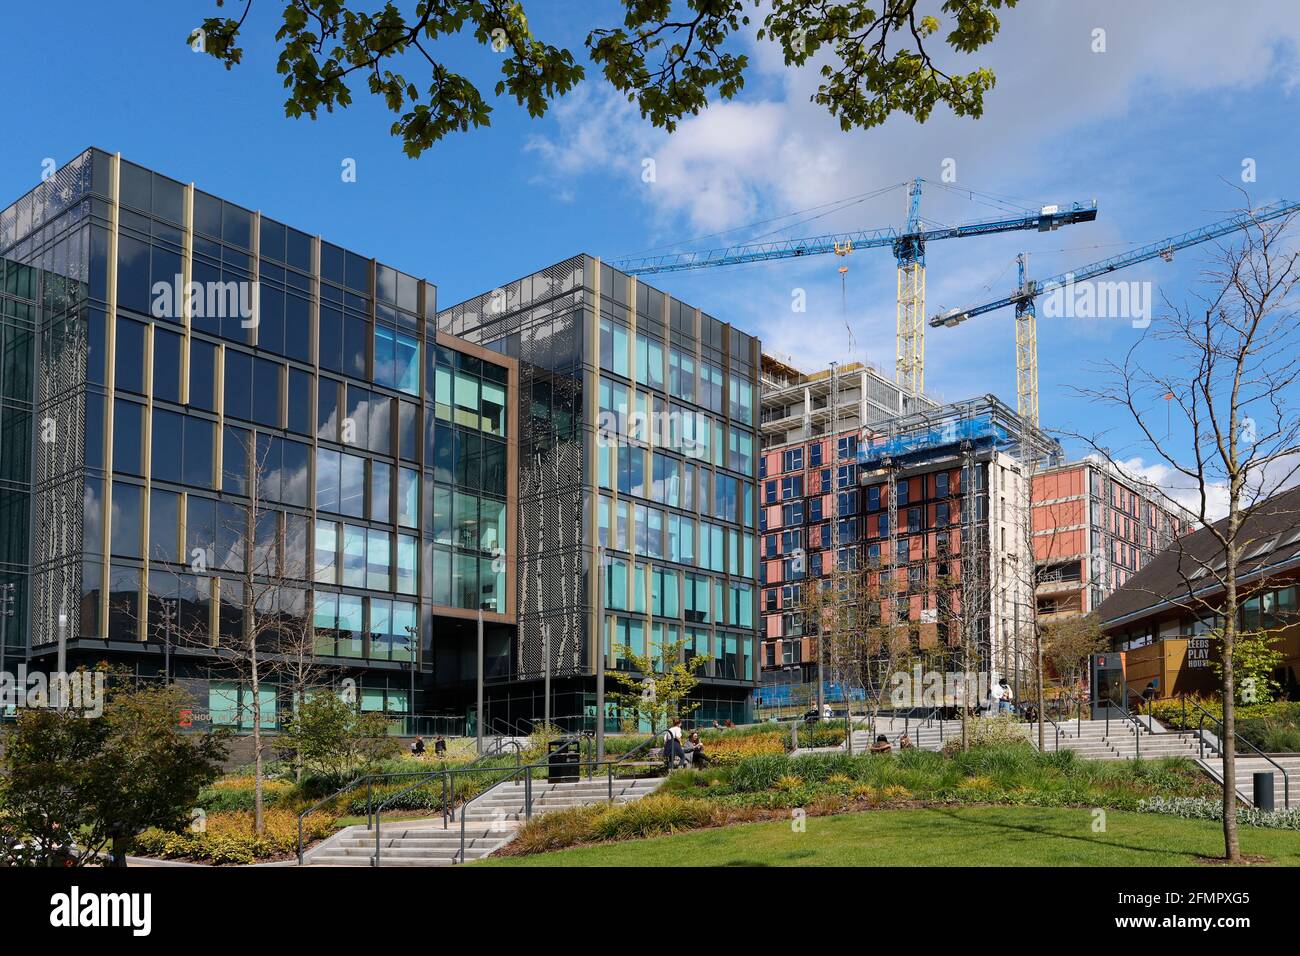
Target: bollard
[(1264, 790)]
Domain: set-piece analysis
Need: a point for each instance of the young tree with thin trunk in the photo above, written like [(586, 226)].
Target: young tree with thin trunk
[(251, 568), (1230, 367)]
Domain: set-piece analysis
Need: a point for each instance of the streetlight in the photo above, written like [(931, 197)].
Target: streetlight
[(413, 648), (478, 715), (6, 612), (600, 654), (61, 666), (546, 655), (169, 610)]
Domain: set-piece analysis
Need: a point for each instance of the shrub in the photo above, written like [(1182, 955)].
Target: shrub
[(229, 838), (238, 794), (655, 815), (759, 773), (729, 751), (1273, 727), (1195, 808), (990, 732)]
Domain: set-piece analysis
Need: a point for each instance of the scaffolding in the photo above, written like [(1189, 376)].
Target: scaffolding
[(968, 435)]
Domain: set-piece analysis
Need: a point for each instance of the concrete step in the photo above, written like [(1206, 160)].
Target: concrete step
[(491, 820), (333, 860)]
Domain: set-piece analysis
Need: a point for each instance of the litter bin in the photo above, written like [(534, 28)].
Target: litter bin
[(1264, 790), (562, 761)]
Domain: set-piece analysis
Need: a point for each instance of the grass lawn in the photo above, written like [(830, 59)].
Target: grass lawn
[(970, 836)]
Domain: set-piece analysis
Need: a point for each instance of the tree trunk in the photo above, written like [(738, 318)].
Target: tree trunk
[(120, 844), (1228, 741), (1038, 686), (259, 819)]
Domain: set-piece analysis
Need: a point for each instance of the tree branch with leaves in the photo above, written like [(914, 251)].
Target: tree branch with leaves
[(875, 57)]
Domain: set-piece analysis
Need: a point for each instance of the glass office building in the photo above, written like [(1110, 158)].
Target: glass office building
[(212, 420), (638, 449), (20, 312)]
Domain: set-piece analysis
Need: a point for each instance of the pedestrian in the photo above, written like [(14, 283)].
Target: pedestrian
[(674, 755), (440, 747), (417, 747), (694, 750)]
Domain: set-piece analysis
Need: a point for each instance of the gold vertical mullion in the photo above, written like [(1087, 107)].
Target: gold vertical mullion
[(187, 276), (219, 374), (110, 357), (146, 442), (647, 461), (591, 398)]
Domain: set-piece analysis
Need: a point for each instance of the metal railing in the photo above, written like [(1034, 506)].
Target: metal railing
[(448, 799), (609, 766), (1200, 733), (645, 745), (1042, 715)]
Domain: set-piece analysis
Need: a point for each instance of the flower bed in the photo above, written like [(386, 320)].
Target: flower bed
[(228, 838)]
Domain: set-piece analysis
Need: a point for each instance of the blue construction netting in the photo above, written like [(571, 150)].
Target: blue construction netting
[(980, 429), (783, 695)]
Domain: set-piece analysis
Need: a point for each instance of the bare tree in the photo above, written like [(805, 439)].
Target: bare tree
[(1229, 368), (242, 561)]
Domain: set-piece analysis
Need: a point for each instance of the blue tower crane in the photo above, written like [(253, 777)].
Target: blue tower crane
[(1028, 290), (908, 247)]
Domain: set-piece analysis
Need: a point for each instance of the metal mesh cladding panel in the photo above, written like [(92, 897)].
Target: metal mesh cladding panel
[(538, 321), (59, 481)]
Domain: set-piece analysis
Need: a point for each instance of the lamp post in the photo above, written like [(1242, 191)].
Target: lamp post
[(546, 655), (600, 653), (168, 630), (6, 612), (478, 716), (413, 648), (61, 665)]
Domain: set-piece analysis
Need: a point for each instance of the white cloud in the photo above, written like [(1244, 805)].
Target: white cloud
[(743, 159), (1179, 487), (1063, 123)]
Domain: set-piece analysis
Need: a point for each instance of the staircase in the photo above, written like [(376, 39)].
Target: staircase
[(1247, 766), (491, 820), (930, 735), (1094, 740)]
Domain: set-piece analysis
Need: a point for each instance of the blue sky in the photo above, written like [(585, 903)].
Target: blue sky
[(1155, 128)]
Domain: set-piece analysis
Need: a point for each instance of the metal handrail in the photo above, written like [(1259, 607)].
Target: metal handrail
[(528, 794), (527, 771), (356, 782), (1200, 733), (647, 744), (1020, 709), (448, 782), (1137, 734), (371, 778)]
